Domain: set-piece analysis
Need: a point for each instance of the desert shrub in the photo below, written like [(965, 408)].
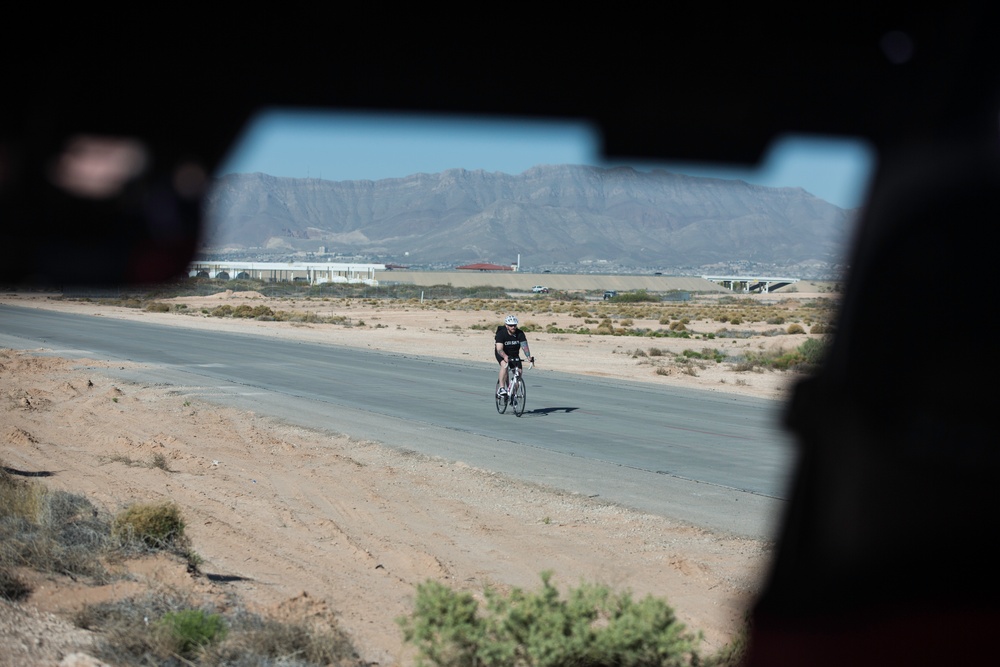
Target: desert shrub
[(129, 630), (591, 626), (246, 311), (159, 461), (734, 333), (795, 329), (57, 531), (191, 629), (154, 628), (157, 307), (19, 498), (803, 359), (157, 526), (706, 353), (655, 352), (11, 586), (225, 310), (262, 312), (734, 653), (50, 531), (252, 640), (638, 296), (129, 303), (812, 350)]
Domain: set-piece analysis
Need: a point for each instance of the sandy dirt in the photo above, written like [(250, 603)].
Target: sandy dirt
[(297, 523)]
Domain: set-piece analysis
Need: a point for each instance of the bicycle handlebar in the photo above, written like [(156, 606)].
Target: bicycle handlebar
[(519, 362)]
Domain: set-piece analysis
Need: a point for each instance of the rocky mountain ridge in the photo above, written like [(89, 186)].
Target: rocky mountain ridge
[(548, 216)]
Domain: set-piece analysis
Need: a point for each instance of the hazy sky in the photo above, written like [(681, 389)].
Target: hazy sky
[(348, 147)]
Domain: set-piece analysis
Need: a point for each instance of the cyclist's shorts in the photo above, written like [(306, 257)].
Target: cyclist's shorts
[(514, 362)]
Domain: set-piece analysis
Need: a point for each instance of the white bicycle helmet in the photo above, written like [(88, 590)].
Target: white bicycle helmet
[(510, 319)]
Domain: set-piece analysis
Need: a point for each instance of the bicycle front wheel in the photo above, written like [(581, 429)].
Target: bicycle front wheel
[(518, 399), (501, 400)]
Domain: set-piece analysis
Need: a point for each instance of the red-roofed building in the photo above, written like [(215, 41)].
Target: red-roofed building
[(485, 267)]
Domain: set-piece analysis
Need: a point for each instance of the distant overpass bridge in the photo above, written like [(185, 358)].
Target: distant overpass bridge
[(278, 272), (751, 284)]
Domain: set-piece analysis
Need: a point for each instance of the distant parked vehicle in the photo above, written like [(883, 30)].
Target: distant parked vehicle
[(540, 289), (610, 294)]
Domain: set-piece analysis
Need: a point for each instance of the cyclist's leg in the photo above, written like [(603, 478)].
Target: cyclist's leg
[(502, 376), (513, 373)]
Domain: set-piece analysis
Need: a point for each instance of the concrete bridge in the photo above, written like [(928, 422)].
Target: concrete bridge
[(514, 281), (277, 272), (748, 284)]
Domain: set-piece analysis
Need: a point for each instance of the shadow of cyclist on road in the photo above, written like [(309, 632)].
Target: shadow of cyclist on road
[(546, 411)]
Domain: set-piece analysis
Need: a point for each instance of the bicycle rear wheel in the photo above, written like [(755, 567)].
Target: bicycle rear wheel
[(518, 399), (501, 400)]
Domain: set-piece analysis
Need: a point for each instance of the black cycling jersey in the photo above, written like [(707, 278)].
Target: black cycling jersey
[(511, 342)]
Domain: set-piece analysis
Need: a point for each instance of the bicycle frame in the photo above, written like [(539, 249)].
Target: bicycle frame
[(513, 377), (515, 394)]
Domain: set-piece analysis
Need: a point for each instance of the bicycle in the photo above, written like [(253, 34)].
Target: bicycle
[(515, 396)]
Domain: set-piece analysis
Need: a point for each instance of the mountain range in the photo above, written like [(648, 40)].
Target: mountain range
[(548, 217)]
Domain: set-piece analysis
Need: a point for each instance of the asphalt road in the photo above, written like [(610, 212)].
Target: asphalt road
[(715, 460)]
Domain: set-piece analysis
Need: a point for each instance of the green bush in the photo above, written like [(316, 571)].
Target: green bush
[(707, 353), (803, 359), (812, 350), (191, 629), (591, 626), (638, 296)]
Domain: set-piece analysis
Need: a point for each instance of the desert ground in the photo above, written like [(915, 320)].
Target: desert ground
[(300, 524)]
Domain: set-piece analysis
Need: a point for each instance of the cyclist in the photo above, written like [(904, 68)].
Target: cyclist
[(509, 342)]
